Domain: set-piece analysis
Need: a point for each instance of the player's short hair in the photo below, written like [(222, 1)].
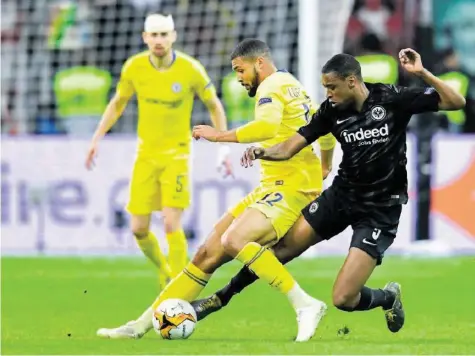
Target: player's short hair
[(343, 65), (252, 48)]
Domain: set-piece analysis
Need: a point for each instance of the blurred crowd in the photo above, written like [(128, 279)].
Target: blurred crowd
[(61, 58), (443, 32), (378, 29)]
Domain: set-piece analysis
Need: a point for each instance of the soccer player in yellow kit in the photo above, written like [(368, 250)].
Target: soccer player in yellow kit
[(267, 213), (165, 82)]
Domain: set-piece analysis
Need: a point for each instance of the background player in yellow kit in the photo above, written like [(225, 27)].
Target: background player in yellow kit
[(165, 82), (265, 215)]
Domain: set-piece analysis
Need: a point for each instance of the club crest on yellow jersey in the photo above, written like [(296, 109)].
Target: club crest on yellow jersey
[(176, 87)]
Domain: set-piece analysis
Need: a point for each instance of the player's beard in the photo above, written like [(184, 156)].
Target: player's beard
[(253, 89)]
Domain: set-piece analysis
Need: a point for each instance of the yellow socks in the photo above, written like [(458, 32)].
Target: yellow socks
[(187, 285), (150, 247), (177, 251), (266, 266), (177, 256)]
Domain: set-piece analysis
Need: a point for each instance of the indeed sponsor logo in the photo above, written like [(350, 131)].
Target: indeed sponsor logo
[(377, 135)]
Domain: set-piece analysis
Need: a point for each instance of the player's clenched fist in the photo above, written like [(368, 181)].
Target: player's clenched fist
[(251, 154), (411, 61)]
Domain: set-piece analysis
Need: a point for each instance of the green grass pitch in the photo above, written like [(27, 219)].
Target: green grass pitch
[(55, 305)]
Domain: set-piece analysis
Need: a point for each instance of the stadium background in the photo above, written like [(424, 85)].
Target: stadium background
[(60, 64), (61, 61)]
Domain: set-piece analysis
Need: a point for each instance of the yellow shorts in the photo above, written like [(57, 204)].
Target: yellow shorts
[(282, 206), (156, 184)]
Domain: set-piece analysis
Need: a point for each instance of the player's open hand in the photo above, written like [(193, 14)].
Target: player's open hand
[(209, 133), (91, 156), (411, 61), (251, 154)]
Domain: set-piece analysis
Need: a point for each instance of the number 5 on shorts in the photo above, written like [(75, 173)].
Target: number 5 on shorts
[(271, 198), (179, 184)]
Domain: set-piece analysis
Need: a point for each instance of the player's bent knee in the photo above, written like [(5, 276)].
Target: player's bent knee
[(232, 243), (140, 232), (206, 260), (171, 225), (284, 252), (140, 235), (140, 226), (171, 220)]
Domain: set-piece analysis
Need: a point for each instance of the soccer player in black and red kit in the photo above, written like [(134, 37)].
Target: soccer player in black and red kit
[(369, 121)]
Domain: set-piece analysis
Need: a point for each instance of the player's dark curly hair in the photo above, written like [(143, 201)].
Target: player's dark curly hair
[(343, 65), (251, 47)]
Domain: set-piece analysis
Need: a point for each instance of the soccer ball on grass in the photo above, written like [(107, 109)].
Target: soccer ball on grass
[(174, 319)]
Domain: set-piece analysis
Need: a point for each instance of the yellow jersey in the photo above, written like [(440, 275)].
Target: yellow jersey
[(282, 107), (165, 100)]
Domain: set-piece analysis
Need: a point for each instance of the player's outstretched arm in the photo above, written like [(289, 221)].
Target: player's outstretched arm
[(449, 98), (254, 131), (115, 108), (268, 116), (280, 152), (285, 150), (113, 111)]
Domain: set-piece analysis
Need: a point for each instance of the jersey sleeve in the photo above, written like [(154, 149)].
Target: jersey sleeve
[(418, 100), (268, 115), (203, 86), (320, 125), (125, 87)]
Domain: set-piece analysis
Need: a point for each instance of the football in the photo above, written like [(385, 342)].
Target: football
[(174, 319)]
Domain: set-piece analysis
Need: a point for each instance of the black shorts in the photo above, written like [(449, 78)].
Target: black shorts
[(374, 228)]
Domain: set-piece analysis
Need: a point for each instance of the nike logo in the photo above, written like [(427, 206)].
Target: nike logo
[(369, 242), (342, 121)]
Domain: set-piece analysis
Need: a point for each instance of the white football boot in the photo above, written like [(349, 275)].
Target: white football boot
[(131, 330), (308, 319)]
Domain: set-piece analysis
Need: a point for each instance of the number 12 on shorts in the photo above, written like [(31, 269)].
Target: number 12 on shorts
[(271, 198)]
